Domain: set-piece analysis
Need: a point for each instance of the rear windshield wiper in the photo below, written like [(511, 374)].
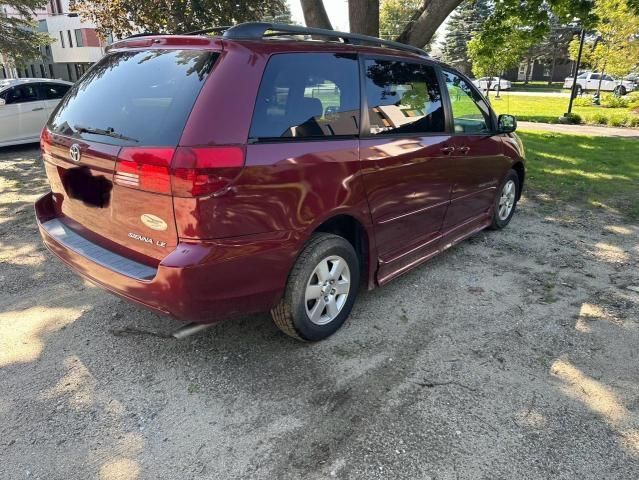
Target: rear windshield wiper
[(109, 132)]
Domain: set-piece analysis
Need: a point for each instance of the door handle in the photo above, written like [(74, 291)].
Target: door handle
[(464, 149), (37, 109), (447, 150)]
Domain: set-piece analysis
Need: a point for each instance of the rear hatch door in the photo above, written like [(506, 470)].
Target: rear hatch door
[(108, 146)]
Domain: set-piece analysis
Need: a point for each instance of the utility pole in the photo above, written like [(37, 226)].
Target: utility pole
[(573, 92)]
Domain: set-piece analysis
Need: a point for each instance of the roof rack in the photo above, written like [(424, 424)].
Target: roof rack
[(257, 31), (208, 30)]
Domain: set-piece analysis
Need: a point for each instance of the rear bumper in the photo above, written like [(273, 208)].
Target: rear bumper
[(202, 282)]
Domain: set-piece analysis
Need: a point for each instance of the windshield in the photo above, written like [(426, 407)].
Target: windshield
[(141, 97)]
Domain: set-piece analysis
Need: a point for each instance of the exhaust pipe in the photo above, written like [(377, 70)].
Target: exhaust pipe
[(190, 329)]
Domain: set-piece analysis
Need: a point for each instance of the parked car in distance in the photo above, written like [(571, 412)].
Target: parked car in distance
[(491, 83), (589, 81), (210, 177), (25, 106)]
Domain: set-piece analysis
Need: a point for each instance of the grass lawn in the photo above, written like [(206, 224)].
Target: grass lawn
[(601, 172), (549, 109), (537, 87)]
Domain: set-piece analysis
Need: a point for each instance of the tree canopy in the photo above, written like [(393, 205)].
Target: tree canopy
[(421, 25), (19, 39), (466, 21), (125, 17), (613, 47)]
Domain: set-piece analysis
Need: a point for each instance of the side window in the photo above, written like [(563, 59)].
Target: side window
[(22, 94), (608, 78), (52, 91), (470, 112), (307, 95), (595, 76), (403, 97)]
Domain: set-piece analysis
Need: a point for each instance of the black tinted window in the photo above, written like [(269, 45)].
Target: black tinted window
[(50, 91), (307, 95), (142, 95), (22, 94), (403, 97)]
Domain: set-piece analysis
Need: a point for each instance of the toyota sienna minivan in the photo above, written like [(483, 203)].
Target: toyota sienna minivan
[(210, 176)]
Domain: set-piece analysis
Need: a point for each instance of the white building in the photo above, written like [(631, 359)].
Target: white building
[(75, 45)]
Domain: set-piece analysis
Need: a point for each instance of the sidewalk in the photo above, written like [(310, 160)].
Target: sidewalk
[(582, 129)]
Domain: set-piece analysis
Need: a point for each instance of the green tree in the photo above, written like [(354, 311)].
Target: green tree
[(466, 21), (124, 17), (19, 40), (500, 45), (614, 46), (393, 16), (425, 20)]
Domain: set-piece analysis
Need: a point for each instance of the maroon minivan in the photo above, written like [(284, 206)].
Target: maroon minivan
[(212, 176)]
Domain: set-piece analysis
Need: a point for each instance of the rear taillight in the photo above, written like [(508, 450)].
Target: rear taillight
[(145, 169), (183, 172), (45, 141), (204, 171)]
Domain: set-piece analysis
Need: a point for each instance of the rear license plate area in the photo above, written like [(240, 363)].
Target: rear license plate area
[(80, 184)]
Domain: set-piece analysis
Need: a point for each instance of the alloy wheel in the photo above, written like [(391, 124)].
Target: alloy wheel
[(327, 290)]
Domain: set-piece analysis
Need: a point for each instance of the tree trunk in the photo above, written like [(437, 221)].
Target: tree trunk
[(601, 75), (363, 17), (315, 14), (425, 22), (552, 67)]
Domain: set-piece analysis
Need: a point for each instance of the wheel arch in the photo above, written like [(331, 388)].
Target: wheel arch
[(521, 173), (355, 232)]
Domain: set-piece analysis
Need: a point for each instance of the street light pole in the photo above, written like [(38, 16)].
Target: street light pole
[(573, 92)]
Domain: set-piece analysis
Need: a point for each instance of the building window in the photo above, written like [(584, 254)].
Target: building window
[(78, 38), (33, 70), (61, 39), (70, 41), (69, 72), (42, 72), (51, 70)]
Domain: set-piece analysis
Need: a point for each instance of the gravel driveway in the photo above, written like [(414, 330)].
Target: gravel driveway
[(511, 356)]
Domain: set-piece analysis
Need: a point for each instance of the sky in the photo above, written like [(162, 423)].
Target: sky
[(337, 11)]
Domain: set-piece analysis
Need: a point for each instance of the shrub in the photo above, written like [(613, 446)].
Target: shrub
[(583, 101), (633, 103), (599, 118), (618, 120), (633, 121), (571, 119), (611, 101)]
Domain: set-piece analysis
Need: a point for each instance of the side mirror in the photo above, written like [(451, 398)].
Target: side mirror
[(506, 124), (2, 102)]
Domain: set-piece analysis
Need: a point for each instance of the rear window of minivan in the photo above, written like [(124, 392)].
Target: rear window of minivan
[(139, 97)]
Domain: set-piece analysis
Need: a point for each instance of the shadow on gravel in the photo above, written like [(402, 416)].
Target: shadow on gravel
[(512, 355)]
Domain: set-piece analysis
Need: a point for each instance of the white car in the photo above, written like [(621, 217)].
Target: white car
[(482, 83), (25, 106), (590, 81)]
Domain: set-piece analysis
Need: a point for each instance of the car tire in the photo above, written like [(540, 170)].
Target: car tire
[(302, 315), (620, 90), (505, 201)]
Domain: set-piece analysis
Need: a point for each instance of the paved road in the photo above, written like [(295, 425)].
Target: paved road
[(592, 130), (511, 356)]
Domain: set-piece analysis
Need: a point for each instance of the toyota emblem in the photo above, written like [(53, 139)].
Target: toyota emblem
[(74, 153)]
